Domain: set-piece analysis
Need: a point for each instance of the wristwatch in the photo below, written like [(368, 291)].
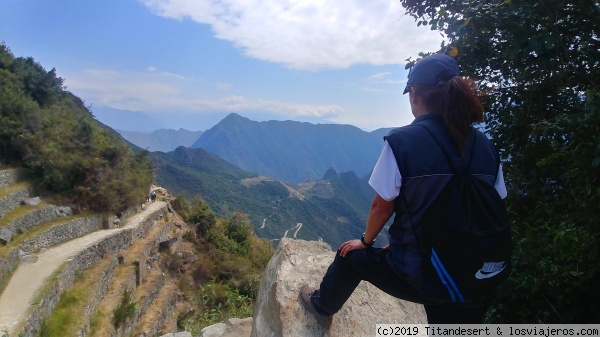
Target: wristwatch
[(362, 240)]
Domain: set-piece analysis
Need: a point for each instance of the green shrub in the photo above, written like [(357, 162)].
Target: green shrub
[(125, 309), (216, 303)]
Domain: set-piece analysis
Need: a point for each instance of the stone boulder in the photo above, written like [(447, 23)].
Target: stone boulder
[(26, 257), (5, 236), (64, 211), (278, 313), (178, 334), (233, 327), (31, 201)]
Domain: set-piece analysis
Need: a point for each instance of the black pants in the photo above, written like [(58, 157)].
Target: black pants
[(345, 273)]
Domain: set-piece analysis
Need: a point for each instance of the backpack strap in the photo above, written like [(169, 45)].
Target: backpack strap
[(448, 158), (420, 244)]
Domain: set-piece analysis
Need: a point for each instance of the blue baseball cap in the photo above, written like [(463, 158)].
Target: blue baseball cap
[(432, 70)]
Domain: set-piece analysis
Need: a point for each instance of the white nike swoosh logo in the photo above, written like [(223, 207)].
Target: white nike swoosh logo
[(480, 275)]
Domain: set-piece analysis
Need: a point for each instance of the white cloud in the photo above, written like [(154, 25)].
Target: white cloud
[(373, 90), (166, 92), (309, 34), (380, 76), (223, 86), (384, 78)]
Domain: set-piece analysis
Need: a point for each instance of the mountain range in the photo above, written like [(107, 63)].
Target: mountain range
[(291, 150), (331, 209), (292, 178), (164, 140)]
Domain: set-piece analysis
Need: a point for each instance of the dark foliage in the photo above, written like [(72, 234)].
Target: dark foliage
[(539, 62)]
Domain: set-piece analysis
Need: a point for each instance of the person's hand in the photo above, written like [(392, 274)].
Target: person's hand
[(349, 246)]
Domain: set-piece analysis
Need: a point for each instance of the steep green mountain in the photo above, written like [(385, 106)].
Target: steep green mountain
[(164, 140), (290, 150), (333, 209), (72, 156)]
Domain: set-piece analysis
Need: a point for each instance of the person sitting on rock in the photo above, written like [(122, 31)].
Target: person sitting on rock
[(447, 103)]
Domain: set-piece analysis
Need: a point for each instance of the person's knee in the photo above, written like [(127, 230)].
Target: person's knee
[(353, 260)]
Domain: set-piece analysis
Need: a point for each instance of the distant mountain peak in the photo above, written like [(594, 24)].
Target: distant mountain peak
[(234, 117), (292, 150), (330, 174)]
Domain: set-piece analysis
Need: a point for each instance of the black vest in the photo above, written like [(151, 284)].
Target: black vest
[(425, 171)]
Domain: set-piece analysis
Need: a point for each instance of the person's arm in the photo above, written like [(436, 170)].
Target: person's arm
[(380, 212)]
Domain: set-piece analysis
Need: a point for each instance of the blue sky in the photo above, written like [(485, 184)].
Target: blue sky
[(189, 63)]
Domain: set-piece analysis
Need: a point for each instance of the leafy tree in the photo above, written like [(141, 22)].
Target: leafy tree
[(539, 62), (51, 132), (203, 217), (239, 227), (44, 87)]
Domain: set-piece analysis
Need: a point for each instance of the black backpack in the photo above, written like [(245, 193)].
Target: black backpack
[(465, 238)]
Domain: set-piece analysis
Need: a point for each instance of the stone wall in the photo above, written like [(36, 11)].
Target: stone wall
[(102, 288), (55, 235), (32, 219), (152, 289), (114, 221), (167, 303), (62, 233), (144, 262), (12, 200), (10, 176), (154, 285), (85, 259), (8, 265)]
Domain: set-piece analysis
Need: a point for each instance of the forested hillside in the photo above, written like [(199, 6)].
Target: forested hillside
[(212, 272), (51, 132), (333, 209), (539, 63)]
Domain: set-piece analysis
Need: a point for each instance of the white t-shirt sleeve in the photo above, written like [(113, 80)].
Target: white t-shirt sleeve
[(500, 185), (386, 179)]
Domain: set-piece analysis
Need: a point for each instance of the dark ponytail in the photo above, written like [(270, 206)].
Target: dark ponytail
[(456, 102)]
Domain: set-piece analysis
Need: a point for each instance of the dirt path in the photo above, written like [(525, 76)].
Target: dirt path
[(28, 278)]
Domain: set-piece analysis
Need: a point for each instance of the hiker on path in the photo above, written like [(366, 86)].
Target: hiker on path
[(411, 171), (153, 196)]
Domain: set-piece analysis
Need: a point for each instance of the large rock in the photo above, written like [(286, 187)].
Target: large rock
[(5, 236), (278, 313), (31, 201), (233, 327)]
